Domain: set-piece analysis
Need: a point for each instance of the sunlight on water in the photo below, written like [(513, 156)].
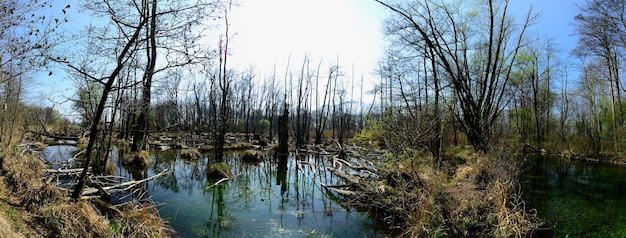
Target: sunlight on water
[(58, 155)]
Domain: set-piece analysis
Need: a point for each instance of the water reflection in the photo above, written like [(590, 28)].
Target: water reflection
[(577, 199), (59, 156), (264, 200)]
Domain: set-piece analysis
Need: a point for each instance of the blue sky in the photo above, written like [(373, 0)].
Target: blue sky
[(268, 31), (557, 18)]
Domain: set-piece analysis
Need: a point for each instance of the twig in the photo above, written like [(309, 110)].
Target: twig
[(218, 182)]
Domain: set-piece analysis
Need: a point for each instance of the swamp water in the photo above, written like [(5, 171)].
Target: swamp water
[(576, 199), (258, 202)]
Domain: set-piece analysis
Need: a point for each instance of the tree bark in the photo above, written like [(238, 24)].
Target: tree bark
[(100, 109)]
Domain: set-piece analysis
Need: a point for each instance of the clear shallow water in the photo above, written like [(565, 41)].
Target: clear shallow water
[(258, 202), (576, 199), (58, 154)]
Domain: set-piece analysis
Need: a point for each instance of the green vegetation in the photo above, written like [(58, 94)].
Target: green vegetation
[(461, 87), (219, 170)]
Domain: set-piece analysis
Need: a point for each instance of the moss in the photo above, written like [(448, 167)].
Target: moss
[(252, 156), (219, 170), (140, 159)]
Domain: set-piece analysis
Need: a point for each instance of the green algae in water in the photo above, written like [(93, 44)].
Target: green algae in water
[(576, 199)]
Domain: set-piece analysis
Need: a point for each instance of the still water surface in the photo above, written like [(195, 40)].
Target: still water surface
[(576, 199), (259, 202)]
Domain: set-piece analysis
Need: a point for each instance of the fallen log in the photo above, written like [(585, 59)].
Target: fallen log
[(58, 137), (125, 185), (64, 171), (335, 185), (341, 191), (349, 178), (106, 207), (218, 182)]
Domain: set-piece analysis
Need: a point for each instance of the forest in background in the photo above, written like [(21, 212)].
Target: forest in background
[(453, 74)]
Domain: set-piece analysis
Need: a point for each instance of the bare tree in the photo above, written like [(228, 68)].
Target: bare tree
[(222, 82), (27, 34), (131, 37), (474, 52), (601, 27)]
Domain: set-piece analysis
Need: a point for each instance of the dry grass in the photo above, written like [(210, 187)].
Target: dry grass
[(240, 146), (472, 198), (6, 230), (47, 208), (497, 210), (252, 156), (74, 220), (141, 159), (20, 172), (512, 218), (140, 220), (219, 170), (36, 197), (190, 154)]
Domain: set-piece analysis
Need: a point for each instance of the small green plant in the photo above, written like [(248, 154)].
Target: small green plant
[(12, 214), (370, 133), (114, 228)]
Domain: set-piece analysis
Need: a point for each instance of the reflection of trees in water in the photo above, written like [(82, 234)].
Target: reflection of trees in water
[(217, 221), (589, 181), (168, 180), (283, 191)]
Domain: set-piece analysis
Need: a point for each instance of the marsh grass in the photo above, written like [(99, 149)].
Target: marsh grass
[(140, 159), (190, 154), (79, 219), (35, 197), (53, 211), (20, 171), (469, 194), (219, 170), (139, 220)]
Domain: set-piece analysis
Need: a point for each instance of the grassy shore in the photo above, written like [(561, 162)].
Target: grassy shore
[(467, 194), (32, 207)]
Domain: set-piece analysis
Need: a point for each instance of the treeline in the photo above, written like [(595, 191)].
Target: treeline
[(452, 74), (477, 69), (318, 96)]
